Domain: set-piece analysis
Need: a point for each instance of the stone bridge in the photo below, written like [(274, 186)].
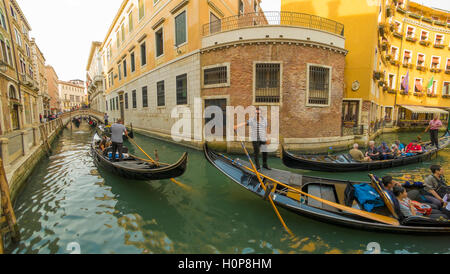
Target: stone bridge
[(87, 112)]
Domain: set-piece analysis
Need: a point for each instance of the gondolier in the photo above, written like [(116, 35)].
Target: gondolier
[(434, 127), (258, 137), (117, 132)]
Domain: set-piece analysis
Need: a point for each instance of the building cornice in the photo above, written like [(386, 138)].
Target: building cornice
[(274, 42), (426, 26)]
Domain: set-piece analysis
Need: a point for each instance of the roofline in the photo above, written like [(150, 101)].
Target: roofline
[(116, 18), (419, 5), (16, 5), (94, 45), (52, 68)]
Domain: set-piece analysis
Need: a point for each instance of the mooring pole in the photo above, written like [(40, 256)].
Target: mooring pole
[(8, 215)]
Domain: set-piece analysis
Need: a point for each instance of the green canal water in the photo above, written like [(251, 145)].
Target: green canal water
[(68, 199)]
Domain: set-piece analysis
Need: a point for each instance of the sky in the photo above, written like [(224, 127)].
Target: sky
[(65, 29)]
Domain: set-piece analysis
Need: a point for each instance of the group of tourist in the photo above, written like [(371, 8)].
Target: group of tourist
[(385, 152), (432, 200), (397, 150)]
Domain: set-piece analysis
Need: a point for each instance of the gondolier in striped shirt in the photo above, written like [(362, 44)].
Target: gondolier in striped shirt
[(258, 136)]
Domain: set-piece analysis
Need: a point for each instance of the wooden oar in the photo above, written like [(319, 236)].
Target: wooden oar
[(265, 190), (368, 215), (153, 161)]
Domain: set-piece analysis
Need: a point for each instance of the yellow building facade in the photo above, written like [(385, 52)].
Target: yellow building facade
[(150, 58), (379, 36)]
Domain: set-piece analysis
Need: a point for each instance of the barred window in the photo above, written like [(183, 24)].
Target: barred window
[(160, 93), (319, 86), (182, 89), (144, 97), (214, 76), (267, 83), (126, 100)]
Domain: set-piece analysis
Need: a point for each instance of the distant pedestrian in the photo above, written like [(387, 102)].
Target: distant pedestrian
[(434, 127), (106, 119), (40, 118), (117, 132), (258, 136)]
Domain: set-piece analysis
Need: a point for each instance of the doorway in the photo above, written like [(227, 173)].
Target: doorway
[(222, 104)]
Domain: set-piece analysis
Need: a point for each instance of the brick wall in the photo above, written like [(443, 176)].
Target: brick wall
[(297, 119)]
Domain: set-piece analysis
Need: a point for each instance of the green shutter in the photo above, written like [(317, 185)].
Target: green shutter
[(180, 29)]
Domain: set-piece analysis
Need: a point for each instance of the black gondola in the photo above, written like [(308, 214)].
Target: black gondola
[(327, 189), (345, 163), (138, 169)]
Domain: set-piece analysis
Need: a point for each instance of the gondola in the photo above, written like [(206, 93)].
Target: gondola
[(135, 168), (326, 189), (345, 163)]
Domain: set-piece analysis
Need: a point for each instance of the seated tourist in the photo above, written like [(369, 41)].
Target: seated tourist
[(372, 152), (357, 154), (413, 148), (408, 209), (396, 152), (436, 188), (103, 143), (385, 151), (400, 146)]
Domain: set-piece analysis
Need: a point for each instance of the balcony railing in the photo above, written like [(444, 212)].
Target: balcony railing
[(273, 18)]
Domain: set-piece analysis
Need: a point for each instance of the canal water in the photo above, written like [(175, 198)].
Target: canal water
[(68, 199)]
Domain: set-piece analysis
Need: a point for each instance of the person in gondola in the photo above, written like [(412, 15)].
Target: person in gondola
[(436, 188), (385, 151), (357, 154), (117, 132), (373, 152), (396, 153), (433, 128), (258, 135), (104, 144), (413, 149)]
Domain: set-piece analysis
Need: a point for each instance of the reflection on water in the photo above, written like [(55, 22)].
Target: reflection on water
[(67, 199)]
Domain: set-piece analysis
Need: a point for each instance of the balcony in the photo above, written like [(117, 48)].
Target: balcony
[(408, 65), (411, 39), (436, 70), (397, 35), (286, 26), (251, 20), (439, 46), (26, 80), (421, 68), (414, 15), (428, 20), (425, 43), (98, 78)]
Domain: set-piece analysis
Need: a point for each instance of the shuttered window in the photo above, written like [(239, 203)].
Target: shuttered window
[(160, 93), (319, 86), (180, 29), (141, 9), (144, 97), (159, 42), (182, 89), (133, 98)]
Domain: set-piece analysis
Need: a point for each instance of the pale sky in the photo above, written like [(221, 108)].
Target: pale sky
[(65, 29)]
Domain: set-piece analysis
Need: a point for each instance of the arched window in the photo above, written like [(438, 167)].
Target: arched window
[(12, 93)]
